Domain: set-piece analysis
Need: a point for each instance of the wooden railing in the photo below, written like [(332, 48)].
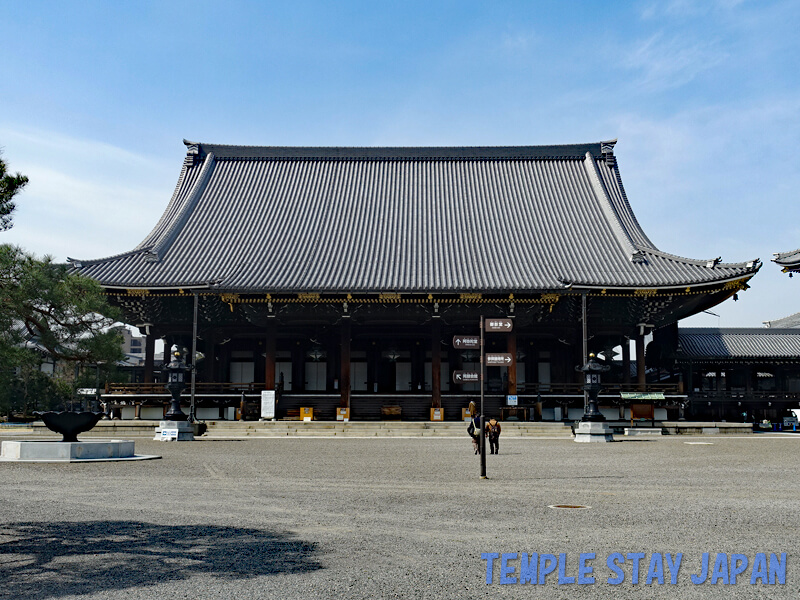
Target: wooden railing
[(745, 395), (232, 389), (545, 389)]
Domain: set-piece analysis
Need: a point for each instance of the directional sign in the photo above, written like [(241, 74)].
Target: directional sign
[(466, 341), (499, 359), (499, 325), (466, 377)]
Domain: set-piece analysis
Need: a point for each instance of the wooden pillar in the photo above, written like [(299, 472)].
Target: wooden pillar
[(149, 357), (626, 360), (512, 369), (269, 355), (436, 362), (344, 363), (641, 377)]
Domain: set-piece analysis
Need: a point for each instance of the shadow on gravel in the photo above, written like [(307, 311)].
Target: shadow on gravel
[(51, 560)]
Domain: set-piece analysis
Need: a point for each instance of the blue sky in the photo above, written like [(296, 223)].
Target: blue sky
[(704, 97)]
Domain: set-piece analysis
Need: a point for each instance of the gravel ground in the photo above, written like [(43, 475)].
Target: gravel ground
[(394, 518)]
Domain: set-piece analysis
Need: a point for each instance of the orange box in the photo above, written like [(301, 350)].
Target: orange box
[(342, 414), (465, 414), (437, 414), (306, 413)]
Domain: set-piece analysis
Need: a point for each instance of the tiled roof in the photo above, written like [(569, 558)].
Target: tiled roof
[(790, 261), (531, 218), (786, 322), (742, 343)]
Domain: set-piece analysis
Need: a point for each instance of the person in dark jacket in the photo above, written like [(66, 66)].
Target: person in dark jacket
[(493, 431)]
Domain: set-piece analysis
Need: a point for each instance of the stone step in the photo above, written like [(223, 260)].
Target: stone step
[(239, 429), (376, 429)]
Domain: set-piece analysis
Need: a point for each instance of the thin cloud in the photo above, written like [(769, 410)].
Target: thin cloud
[(668, 63), (686, 8), (85, 198), (517, 42)]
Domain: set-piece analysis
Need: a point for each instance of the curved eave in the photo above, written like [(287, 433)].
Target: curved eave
[(711, 275), (731, 285), (80, 263), (193, 285), (790, 261), (720, 275)]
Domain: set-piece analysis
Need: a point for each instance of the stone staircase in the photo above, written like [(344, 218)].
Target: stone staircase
[(239, 429), (258, 429)]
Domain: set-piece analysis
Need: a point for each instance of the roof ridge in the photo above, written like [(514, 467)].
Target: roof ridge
[(617, 226), (165, 240), (789, 253), (552, 151), (173, 200), (632, 215)]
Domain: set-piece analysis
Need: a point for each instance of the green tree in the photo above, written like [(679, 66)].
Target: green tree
[(67, 314), (25, 388), (46, 310), (9, 186)]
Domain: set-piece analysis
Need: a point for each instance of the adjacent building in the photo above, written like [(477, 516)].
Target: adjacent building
[(737, 374)]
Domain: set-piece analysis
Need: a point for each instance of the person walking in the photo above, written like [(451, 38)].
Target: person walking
[(493, 431), (474, 427)]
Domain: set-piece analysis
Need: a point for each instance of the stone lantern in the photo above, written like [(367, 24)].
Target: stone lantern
[(591, 385), (176, 382), (592, 427), (175, 425)]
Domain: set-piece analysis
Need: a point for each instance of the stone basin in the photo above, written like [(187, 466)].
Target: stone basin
[(53, 451), (70, 424)]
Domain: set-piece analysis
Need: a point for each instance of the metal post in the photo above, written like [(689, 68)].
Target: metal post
[(194, 359), (483, 424)]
